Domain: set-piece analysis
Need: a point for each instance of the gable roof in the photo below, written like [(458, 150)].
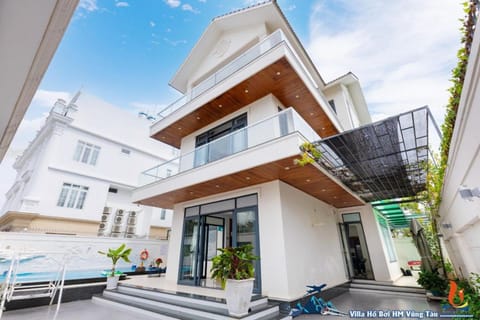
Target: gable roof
[(268, 12)]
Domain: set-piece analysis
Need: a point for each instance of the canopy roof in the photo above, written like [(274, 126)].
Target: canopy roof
[(396, 216), (383, 160)]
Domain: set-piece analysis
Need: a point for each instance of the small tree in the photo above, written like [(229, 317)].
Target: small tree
[(117, 254)]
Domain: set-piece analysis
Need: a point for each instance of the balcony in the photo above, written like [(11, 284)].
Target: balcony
[(261, 152), (271, 66)]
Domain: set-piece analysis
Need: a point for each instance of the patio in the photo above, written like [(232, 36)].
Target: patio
[(86, 309)]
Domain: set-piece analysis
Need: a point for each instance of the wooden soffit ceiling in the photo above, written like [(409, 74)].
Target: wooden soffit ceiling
[(308, 179), (279, 78)]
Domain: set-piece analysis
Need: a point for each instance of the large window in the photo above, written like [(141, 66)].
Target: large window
[(72, 196), (387, 237), (86, 153), (223, 146)]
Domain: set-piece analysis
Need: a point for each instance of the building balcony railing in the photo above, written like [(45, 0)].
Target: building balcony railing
[(277, 126), (238, 63)]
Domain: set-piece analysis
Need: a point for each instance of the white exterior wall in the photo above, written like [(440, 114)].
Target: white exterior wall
[(460, 218), (383, 269), (299, 240), (406, 251), (229, 43), (312, 242), (345, 108)]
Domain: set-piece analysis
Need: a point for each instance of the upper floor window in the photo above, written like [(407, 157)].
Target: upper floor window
[(72, 196), (86, 153), (223, 146), (126, 151), (332, 105), (163, 214)]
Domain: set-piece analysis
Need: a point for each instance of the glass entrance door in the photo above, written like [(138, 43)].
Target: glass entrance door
[(206, 230), (357, 256)]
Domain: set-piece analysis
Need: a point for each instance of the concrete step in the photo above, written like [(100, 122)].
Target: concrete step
[(156, 304), (396, 293), (382, 287)]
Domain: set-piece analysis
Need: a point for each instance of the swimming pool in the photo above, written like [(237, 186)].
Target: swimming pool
[(24, 277)]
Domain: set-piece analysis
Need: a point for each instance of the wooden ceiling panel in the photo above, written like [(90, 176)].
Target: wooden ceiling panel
[(308, 179), (279, 78)]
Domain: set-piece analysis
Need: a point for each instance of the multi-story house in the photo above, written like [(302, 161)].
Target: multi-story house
[(86, 157), (252, 97)]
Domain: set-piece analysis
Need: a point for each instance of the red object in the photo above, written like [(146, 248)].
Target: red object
[(414, 263), (144, 255)]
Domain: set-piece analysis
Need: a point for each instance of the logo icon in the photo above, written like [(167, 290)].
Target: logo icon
[(461, 303)]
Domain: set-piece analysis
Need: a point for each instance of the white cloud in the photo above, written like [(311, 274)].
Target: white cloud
[(402, 51), (174, 42), (203, 1), (187, 7), (45, 98), (152, 24), (291, 7), (122, 4), (173, 3), (89, 5)]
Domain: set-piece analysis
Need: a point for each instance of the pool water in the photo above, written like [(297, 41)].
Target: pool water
[(25, 277)]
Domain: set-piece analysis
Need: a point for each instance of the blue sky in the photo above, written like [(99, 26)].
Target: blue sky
[(125, 52)]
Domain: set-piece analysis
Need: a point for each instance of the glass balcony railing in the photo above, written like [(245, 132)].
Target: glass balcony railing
[(248, 56), (279, 125)]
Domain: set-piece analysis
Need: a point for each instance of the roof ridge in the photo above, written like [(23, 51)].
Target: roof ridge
[(258, 4)]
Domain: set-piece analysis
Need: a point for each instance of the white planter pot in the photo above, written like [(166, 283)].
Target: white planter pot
[(238, 294), (112, 282)]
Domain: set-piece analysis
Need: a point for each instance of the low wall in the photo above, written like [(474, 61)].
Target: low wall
[(46, 251)]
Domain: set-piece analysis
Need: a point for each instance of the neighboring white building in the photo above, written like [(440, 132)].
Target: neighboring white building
[(460, 217), (252, 97), (87, 156)]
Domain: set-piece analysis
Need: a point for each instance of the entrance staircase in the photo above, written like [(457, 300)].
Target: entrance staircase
[(386, 288), (160, 304)]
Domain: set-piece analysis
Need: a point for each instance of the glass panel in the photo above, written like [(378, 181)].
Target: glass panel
[(78, 151), (358, 251), (63, 196), (93, 161), (189, 250), (218, 206), (246, 232), (73, 198), (86, 154), (248, 201), (192, 211), (351, 217)]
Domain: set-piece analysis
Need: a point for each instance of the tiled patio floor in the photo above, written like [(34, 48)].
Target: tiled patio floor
[(86, 309), (373, 301)]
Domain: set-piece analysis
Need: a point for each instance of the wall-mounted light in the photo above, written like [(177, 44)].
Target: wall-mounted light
[(468, 194)]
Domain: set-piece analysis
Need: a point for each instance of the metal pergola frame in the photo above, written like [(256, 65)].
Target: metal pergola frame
[(384, 162)]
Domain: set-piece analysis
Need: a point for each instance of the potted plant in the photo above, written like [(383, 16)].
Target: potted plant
[(234, 268), (116, 254), (433, 282)]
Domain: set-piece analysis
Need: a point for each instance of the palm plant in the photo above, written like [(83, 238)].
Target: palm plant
[(117, 254)]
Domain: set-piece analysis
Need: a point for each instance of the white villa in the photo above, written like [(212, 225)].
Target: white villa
[(89, 160), (252, 97)]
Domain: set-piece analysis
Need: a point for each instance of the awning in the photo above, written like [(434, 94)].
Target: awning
[(397, 216), (383, 160)]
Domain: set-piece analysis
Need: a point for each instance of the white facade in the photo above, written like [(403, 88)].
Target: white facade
[(297, 235), (96, 146), (460, 218)]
